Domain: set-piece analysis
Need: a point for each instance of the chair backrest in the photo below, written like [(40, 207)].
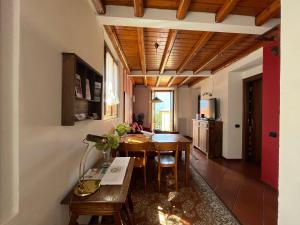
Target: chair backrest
[(136, 147), (167, 147)]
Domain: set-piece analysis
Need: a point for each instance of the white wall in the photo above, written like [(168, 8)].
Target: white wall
[(226, 86), (142, 103), (289, 144), (9, 74), (49, 153)]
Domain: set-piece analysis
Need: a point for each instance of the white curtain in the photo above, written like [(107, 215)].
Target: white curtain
[(111, 76)]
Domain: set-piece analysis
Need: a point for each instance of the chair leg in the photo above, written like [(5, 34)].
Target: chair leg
[(176, 178), (145, 177), (158, 178)]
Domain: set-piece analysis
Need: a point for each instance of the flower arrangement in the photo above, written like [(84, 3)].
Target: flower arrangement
[(122, 129)]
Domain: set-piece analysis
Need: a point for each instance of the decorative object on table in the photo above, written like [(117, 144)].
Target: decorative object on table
[(136, 138), (122, 129), (80, 116), (97, 91), (94, 116), (87, 187), (87, 90), (78, 88), (106, 144)]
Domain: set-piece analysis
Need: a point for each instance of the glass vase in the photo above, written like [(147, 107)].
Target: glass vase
[(106, 157)]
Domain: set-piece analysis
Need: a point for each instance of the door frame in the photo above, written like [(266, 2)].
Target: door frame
[(245, 110)]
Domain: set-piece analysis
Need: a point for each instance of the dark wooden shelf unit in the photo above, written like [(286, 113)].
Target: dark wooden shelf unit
[(71, 105)]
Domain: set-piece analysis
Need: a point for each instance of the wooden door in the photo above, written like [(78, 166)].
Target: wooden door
[(252, 119)]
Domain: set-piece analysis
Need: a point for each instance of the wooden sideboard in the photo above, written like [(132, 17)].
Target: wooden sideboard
[(207, 137)]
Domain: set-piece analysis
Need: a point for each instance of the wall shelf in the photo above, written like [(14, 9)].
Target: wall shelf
[(72, 105)]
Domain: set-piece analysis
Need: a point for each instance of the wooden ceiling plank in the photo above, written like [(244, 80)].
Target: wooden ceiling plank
[(157, 81), (117, 46), (197, 47), (240, 55), (269, 12), (237, 38), (185, 80), (183, 8), (138, 8), (225, 10), (99, 6), (196, 81), (167, 51), (170, 83)]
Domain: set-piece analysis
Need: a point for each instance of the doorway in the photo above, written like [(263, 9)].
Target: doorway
[(163, 110), (252, 129)]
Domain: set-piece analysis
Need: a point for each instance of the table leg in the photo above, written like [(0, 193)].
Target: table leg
[(187, 164), (128, 213), (118, 219), (73, 219), (130, 203)]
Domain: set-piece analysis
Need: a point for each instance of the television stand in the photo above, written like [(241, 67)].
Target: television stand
[(207, 137)]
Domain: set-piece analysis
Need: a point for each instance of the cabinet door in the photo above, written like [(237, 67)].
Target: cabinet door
[(195, 134), (203, 137)]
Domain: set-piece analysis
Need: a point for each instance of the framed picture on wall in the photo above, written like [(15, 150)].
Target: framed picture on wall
[(87, 90), (97, 91), (78, 88)]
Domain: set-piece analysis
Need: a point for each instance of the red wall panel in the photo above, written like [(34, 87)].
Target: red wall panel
[(270, 115)]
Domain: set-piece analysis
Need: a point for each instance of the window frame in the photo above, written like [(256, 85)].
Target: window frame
[(173, 107), (106, 107)]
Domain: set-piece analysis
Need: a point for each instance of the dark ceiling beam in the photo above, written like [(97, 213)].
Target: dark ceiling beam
[(185, 81), (141, 45), (157, 81), (183, 8), (170, 83), (268, 13), (167, 51), (225, 10), (138, 8), (117, 46)]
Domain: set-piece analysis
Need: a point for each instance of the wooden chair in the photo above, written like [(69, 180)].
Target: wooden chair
[(139, 151), (167, 157)]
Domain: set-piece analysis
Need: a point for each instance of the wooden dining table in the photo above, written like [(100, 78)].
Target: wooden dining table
[(184, 146)]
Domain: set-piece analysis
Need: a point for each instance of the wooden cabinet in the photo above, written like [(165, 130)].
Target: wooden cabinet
[(207, 137)]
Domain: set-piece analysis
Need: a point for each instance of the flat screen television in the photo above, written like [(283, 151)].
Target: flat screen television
[(208, 108)]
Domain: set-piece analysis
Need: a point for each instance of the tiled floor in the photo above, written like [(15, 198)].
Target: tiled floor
[(238, 186)]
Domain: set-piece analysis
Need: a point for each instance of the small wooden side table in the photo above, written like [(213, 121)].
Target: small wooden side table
[(109, 200)]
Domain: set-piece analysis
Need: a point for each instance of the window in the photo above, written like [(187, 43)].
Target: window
[(163, 111), (111, 94)]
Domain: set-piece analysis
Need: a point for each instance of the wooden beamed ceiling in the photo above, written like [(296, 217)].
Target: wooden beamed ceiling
[(262, 10), (163, 50), (174, 57)]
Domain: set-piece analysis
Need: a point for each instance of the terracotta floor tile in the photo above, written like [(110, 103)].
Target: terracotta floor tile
[(238, 185)]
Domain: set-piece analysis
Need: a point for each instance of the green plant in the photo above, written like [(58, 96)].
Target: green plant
[(122, 129), (108, 141)]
